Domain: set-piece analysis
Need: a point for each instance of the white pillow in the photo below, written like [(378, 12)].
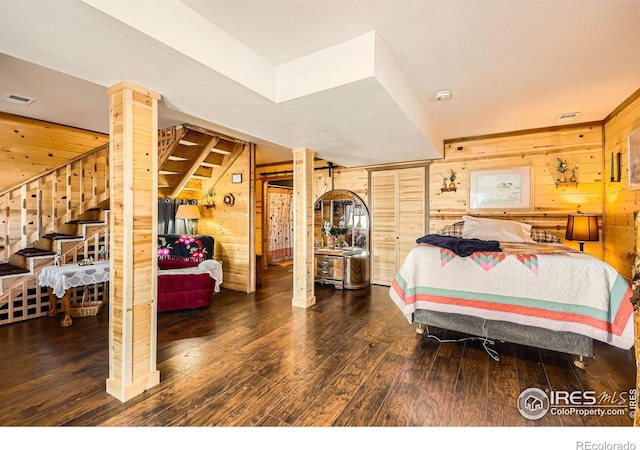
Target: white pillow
[(496, 230)]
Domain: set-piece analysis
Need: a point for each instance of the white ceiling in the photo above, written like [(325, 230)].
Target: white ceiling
[(352, 80)]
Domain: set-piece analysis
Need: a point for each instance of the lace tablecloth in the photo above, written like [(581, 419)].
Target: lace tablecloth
[(61, 278)]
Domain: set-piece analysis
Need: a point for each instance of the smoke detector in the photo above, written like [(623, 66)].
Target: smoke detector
[(17, 99), (443, 95)]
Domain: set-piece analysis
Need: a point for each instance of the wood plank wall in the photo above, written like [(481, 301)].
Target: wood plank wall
[(229, 225), (579, 144), (620, 202), (31, 147)]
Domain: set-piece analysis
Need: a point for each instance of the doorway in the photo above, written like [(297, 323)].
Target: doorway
[(279, 222)]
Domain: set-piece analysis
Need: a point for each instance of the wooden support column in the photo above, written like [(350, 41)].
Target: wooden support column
[(133, 165), (303, 289)]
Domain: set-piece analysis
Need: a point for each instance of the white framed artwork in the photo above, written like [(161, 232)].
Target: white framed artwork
[(500, 189)]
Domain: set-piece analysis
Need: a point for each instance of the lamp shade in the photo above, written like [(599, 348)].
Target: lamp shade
[(188, 212), (582, 227)]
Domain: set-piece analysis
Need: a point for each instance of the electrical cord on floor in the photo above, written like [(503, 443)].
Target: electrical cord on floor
[(485, 342)]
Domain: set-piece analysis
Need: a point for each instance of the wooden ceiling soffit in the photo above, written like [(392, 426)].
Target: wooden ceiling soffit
[(195, 164)]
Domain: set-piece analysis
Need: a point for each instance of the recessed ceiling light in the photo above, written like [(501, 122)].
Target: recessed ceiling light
[(17, 99), (566, 116), (443, 95)]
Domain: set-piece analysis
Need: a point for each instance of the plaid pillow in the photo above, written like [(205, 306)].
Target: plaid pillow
[(537, 234), (452, 230), (540, 235)]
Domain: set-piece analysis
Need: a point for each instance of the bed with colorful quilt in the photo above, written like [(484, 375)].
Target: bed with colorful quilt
[(518, 289)]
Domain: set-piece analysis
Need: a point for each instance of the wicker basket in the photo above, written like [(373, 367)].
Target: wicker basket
[(86, 309), (88, 306)]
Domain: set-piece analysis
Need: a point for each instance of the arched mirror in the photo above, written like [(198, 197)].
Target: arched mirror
[(341, 240)]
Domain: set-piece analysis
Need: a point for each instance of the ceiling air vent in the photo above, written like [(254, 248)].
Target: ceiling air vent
[(443, 95), (17, 99), (567, 116)]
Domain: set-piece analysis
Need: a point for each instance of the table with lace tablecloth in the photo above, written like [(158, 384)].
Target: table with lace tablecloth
[(59, 279)]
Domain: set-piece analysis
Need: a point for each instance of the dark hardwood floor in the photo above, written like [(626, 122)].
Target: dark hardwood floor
[(351, 360)]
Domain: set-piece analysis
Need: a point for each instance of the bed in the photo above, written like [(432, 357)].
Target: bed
[(531, 290)]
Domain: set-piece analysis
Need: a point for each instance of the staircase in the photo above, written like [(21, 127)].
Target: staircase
[(191, 159), (65, 210)]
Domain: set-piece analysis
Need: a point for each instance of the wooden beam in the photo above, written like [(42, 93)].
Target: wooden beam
[(303, 288), (194, 166)]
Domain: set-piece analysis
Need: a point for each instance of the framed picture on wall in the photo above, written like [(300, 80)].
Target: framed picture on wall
[(503, 189), (633, 149)]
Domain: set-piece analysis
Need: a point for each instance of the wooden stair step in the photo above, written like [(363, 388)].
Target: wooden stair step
[(61, 236), (102, 206), (31, 252), (10, 269), (86, 222)]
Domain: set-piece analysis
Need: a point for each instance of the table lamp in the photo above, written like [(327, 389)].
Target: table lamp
[(582, 228), (189, 212)]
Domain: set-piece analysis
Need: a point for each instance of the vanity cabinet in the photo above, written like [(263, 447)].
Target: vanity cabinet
[(345, 269), (341, 240), (329, 267)]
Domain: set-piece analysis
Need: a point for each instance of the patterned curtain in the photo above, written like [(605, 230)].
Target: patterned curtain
[(280, 226)]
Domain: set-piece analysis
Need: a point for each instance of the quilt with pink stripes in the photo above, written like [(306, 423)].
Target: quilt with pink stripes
[(544, 285)]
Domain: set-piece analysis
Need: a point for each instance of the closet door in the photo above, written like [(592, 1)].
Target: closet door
[(399, 217), (383, 226), (411, 212)]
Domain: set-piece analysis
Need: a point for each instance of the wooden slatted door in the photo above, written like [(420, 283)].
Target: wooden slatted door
[(398, 218), (383, 226)]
